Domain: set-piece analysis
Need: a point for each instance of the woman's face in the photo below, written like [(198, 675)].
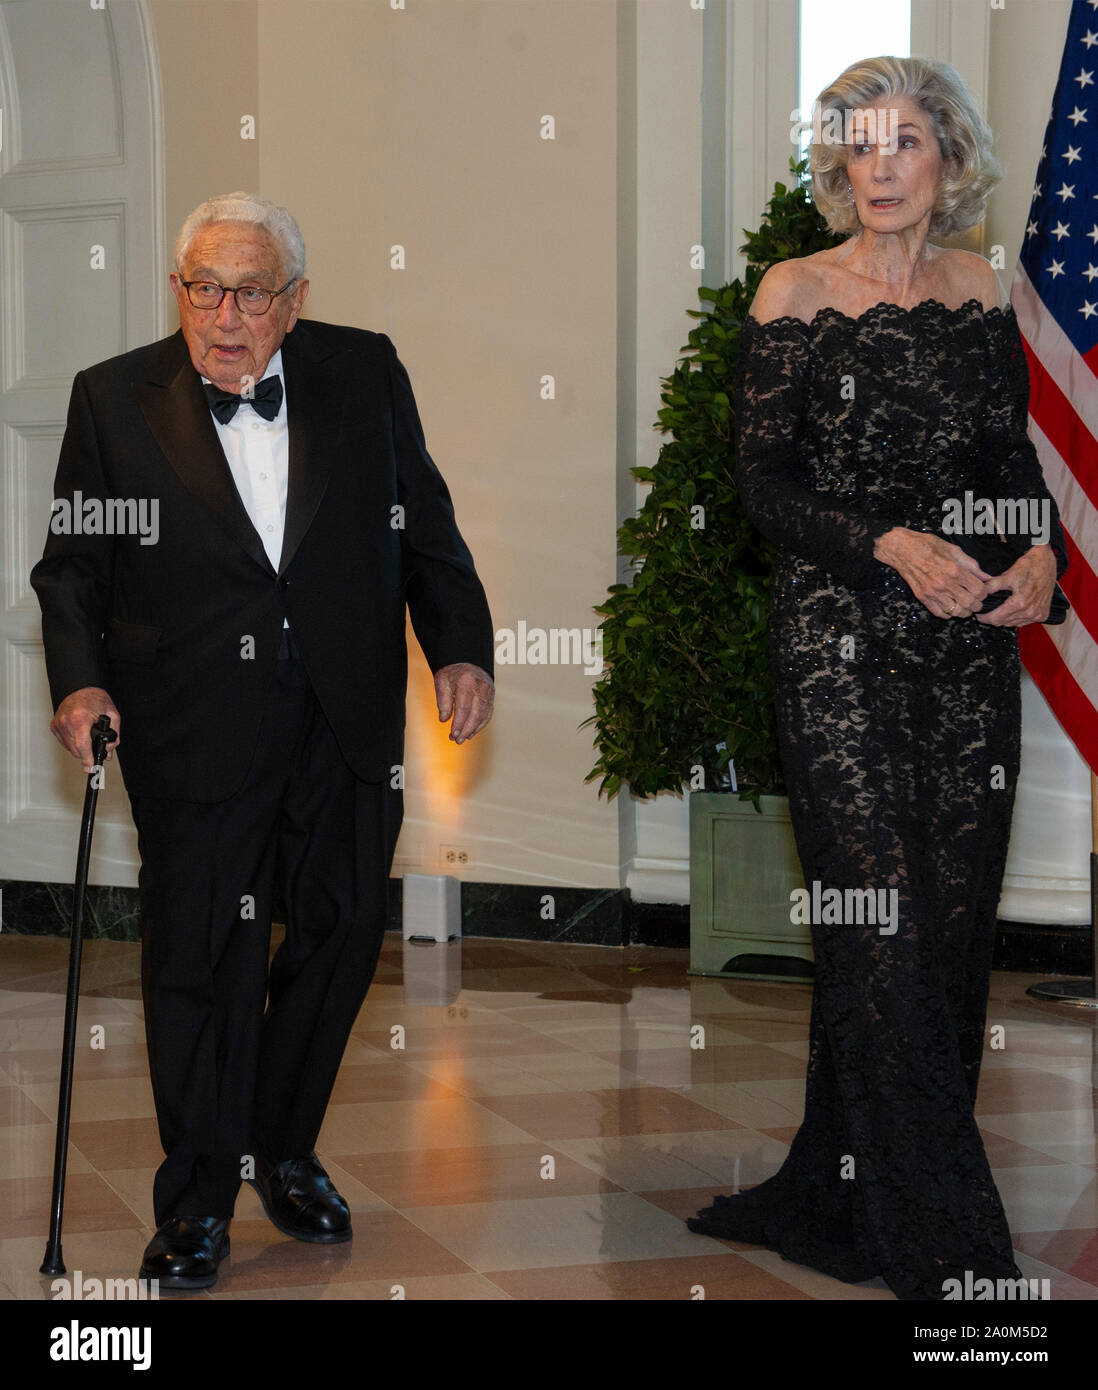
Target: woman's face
[(894, 165)]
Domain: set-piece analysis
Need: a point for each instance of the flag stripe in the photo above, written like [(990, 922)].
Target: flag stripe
[(1055, 296), (1077, 648), (1081, 587), (1077, 518), (1054, 679), (1053, 412), (1055, 351)]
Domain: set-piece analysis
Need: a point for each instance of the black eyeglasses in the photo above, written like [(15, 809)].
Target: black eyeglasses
[(250, 299)]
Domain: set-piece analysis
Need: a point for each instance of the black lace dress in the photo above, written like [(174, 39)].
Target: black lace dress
[(899, 738)]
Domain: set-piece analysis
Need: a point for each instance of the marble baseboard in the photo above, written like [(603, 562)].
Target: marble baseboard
[(659, 924), (521, 912), (1036, 946), (45, 909), (590, 916)]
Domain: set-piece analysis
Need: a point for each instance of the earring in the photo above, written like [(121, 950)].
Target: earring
[(850, 192)]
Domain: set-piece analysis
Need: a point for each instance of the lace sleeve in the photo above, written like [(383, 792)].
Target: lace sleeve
[(769, 401), (1011, 467)]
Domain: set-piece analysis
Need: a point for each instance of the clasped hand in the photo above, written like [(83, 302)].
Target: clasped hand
[(950, 584)]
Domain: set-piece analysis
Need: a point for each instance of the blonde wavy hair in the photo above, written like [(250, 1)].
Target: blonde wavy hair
[(969, 169)]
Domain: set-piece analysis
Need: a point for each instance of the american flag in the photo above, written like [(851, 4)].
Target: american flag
[(1055, 296)]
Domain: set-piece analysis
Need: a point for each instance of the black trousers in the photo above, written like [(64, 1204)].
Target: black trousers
[(243, 1059)]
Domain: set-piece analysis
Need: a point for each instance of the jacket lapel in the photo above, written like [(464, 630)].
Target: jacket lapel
[(173, 403), (316, 401), (176, 410)]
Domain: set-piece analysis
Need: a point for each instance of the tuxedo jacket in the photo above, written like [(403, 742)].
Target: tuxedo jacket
[(183, 634)]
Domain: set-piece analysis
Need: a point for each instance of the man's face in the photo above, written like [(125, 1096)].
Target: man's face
[(227, 346)]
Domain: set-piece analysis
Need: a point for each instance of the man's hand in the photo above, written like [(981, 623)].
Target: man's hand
[(466, 692), (1031, 580), (71, 725)]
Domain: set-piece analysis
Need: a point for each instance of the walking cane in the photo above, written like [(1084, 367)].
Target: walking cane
[(101, 735)]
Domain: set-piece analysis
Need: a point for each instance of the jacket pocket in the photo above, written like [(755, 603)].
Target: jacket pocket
[(131, 642)]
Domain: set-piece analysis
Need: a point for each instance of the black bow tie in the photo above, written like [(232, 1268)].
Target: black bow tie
[(266, 399)]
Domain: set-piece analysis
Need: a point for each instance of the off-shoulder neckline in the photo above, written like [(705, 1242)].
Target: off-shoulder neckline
[(883, 304)]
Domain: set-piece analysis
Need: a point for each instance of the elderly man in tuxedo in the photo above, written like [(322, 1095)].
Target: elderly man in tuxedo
[(253, 661)]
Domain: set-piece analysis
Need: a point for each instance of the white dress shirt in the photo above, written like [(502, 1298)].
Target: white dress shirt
[(258, 453)]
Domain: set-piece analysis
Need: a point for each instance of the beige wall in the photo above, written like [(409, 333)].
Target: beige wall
[(1027, 43), (205, 89)]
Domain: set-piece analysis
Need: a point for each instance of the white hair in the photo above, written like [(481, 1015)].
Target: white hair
[(245, 207)]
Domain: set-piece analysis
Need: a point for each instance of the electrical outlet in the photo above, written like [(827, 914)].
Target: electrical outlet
[(453, 856)]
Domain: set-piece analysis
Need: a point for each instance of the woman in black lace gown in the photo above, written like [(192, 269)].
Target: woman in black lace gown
[(878, 380)]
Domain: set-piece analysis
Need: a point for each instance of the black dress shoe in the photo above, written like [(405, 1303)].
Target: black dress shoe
[(186, 1251), (300, 1200)]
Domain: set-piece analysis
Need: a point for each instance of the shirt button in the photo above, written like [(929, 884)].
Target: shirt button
[(255, 426), (263, 476), (270, 528)]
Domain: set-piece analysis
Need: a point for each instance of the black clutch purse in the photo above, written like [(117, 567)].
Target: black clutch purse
[(996, 553)]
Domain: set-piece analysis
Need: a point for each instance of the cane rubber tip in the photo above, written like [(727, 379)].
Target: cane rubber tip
[(52, 1264)]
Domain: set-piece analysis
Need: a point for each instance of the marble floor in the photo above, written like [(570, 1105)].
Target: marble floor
[(540, 1132)]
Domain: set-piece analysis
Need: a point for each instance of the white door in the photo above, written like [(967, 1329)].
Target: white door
[(81, 266)]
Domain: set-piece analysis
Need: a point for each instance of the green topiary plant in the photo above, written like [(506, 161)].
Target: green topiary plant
[(687, 680)]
